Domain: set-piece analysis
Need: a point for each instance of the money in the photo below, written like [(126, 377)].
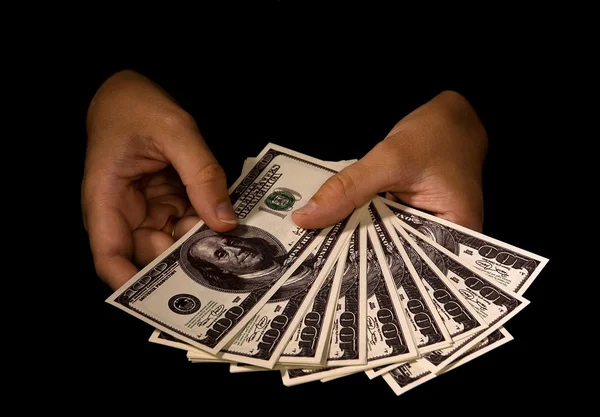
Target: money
[(460, 318), (427, 326), (409, 376), (168, 340), (493, 304), (389, 338), (510, 267), (263, 339), (390, 291), (335, 165), (311, 335), (348, 341), (235, 368), (207, 286)]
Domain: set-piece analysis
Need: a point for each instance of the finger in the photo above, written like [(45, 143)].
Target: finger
[(391, 197), (163, 189), (161, 208), (184, 225), (149, 244), (342, 193), (163, 182), (111, 244), (204, 179), (190, 211)]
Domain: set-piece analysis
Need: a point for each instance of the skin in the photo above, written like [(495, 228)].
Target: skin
[(150, 176), (431, 160)]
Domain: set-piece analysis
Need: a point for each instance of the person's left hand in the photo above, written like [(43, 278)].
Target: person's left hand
[(431, 160)]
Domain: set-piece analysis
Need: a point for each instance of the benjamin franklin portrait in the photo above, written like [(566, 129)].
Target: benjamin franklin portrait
[(374, 274), (350, 275), (439, 234), (244, 259)]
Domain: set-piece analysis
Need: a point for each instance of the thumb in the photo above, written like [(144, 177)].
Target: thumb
[(204, 179), (350, 188)]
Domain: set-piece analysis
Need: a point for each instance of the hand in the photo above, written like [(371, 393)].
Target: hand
[(431, 160), (149, 177)]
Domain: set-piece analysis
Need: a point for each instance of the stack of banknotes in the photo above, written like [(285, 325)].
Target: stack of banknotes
[(390, 291)]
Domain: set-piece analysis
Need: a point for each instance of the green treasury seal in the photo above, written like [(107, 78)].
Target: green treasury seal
[(280, 200)]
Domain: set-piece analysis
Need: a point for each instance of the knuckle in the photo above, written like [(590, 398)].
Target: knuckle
[(343, 185), (177, 120), (208, 174)]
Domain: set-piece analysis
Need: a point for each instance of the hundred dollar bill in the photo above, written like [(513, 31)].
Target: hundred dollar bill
[(194, 353), (407, 376), (206, 287), (462, 320), (265, 336), (510, 267), (196, 359), (389, 340), (411, 375), (308, 342), (236, 368), (458, 316), (335, 165), (348, 341), (490, 342), (426, 325), (388, 332), (166, 339), (304, 336), (495, 305)]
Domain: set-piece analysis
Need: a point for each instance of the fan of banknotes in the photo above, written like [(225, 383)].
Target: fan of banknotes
[(390, 291)]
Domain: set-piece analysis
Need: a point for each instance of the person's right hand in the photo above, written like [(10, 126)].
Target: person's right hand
[(149, 177)]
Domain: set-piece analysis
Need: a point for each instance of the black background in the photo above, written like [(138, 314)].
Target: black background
[(333, 99)]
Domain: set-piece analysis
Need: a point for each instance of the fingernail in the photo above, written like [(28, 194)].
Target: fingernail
[(225, 213), (308, 208)]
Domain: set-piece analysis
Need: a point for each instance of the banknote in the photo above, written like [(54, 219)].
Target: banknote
[(335, 165), (389, 339), (205, 288), (495, 305), (458, 316), (264, 337), (427, 327), (196, 355), (348, 341), (512, 268), (489, 300), (411, 375), (308, 342), (166, 339), (193, 354), (236, 368)]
